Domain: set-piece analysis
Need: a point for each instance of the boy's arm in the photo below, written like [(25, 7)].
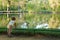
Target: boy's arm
[(15, 25)]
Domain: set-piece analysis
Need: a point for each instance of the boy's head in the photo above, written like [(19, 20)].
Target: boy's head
[(13, 18)]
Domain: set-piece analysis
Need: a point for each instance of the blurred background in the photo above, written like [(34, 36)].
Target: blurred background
[(31, 11)]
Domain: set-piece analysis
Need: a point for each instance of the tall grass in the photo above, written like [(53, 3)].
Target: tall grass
[(32, 19)]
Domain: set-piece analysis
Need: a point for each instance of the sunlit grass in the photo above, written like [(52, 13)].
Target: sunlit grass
[(32, 19)]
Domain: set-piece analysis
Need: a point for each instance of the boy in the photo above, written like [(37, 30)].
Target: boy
[(10, 26)]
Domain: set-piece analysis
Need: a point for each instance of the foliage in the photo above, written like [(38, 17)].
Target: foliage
[(32, 19)]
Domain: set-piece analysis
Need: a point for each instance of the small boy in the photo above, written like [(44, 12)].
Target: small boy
[(10, 25)]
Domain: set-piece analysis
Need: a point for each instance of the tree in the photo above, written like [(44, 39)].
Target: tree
[(54, 19)]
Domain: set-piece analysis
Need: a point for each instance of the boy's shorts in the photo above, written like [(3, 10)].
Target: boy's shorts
[(8, 28)]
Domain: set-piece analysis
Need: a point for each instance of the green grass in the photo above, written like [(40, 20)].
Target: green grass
[(32, 19)]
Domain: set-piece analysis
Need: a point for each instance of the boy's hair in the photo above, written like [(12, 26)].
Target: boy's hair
[(13, 18)]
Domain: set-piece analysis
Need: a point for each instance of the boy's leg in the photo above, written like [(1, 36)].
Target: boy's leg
[(9, 31)]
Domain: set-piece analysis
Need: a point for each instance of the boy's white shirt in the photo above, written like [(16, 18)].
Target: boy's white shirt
[(10, 23)]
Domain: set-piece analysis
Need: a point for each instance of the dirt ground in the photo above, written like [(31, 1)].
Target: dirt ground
[(24, 37)]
